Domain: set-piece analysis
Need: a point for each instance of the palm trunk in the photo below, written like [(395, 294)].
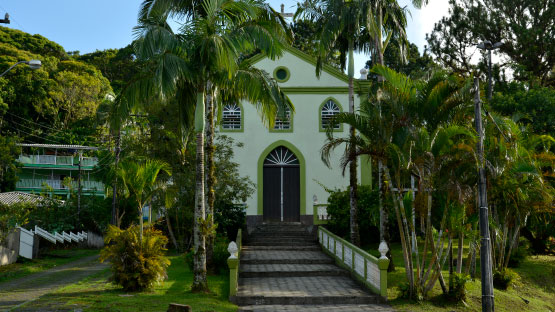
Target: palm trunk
[(141, 223), (384, 226), (355, 236), (460, 252), (199, 264), (114, 187), (170, 230), (402, 234), (450, 263), (211, 178)]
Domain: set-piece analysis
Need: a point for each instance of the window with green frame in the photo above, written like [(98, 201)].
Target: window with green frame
[(327, 111), (283, 121), (231, 117)]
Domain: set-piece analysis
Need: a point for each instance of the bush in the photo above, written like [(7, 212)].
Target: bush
[(230, 218), (458, 289), (220, 255), (503, 279), (136, 265), (519, 255), (368, 213), (190, 259)]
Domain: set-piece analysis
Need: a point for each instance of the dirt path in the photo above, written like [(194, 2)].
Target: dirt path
[(20, 291)]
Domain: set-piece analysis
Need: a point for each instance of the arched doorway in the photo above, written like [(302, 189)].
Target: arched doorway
[(281, 186)]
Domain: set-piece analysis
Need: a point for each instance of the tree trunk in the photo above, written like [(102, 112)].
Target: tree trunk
[(402, 234), (450, 263), (114, 187), (355, 236), (211, 177), (460, 252), (200, 283), (384, 216), (170, 230)]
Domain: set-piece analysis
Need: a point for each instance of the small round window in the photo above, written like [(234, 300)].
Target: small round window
[(281, 74)]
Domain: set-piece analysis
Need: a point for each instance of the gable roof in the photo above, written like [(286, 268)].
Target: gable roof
[(358, 84), (10, 198)]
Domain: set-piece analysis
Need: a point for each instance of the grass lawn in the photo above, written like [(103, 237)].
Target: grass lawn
[(536, 284), (97, 294), (49, 260)]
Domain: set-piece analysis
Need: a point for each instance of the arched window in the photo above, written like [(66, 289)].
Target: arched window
[(231, 117), (327, 111), (283, 121)]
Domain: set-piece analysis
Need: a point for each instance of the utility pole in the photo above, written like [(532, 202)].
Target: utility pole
[(487, 45), (282, 13), (79, 189), (485, 250)]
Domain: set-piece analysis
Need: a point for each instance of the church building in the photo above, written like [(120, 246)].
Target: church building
[(285, 162)]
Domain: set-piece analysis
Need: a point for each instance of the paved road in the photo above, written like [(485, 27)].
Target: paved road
[(20, 291)]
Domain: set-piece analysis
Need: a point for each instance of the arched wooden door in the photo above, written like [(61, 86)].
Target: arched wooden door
[(281, 186)]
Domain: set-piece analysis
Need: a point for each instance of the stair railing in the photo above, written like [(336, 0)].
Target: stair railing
[(234, 250), (369, 270)]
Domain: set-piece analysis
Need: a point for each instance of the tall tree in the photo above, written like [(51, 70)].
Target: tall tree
[(525, 28), (204, 56), (341, 29)]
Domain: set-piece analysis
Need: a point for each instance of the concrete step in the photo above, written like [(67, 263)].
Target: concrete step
[(280, 240), (277, 243), (317, 308), (308, 247), (284, 257), (301, 291), (290, 270)]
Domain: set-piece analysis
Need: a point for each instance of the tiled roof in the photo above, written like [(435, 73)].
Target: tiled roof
[(9, 198), (60, 146)]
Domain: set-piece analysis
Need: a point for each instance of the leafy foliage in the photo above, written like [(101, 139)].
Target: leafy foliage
[(338, 211), (504, 278), (524, 27), (457, 290), (136, 264), (8, 166), (12, 216)]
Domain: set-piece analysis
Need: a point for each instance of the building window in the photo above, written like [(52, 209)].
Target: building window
[(281, 74), (231, 117), (283, 121), (328, 110)]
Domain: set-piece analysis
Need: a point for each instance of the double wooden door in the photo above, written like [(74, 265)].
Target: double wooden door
[(281, 186)]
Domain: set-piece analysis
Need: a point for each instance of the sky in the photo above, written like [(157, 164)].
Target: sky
[(90, 25)]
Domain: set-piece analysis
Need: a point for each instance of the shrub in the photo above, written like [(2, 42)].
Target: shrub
[(503, 279), (458, 289), (136, 265), (190, 258), (368, 213), (519, 255), (220, 255), (230, 218)]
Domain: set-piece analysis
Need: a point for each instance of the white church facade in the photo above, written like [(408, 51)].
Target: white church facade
[(284, 162)]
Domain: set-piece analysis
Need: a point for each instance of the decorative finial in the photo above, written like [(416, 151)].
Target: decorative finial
[(364, 73), (232, 249), (383, 249)]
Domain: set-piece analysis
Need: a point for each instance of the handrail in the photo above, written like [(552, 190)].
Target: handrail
[(369, 270)]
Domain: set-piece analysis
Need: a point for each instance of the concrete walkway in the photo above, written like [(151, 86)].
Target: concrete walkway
[(14, 294), (284, 269)]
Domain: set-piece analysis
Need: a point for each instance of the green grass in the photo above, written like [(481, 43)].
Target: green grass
[(49, 260), (536, 283), (96, 293)]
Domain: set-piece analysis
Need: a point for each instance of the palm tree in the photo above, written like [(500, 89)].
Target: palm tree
[(395, 134), (342, 28), (140, 180), (195, 64)]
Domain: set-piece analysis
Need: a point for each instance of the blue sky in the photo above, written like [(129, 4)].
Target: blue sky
[(89, 25)]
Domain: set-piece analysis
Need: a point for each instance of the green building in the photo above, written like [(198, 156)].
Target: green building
[(58, 169), (285, 161)]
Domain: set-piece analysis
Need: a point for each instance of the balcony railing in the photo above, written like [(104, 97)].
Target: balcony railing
[(57, 160), (58, 185)]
